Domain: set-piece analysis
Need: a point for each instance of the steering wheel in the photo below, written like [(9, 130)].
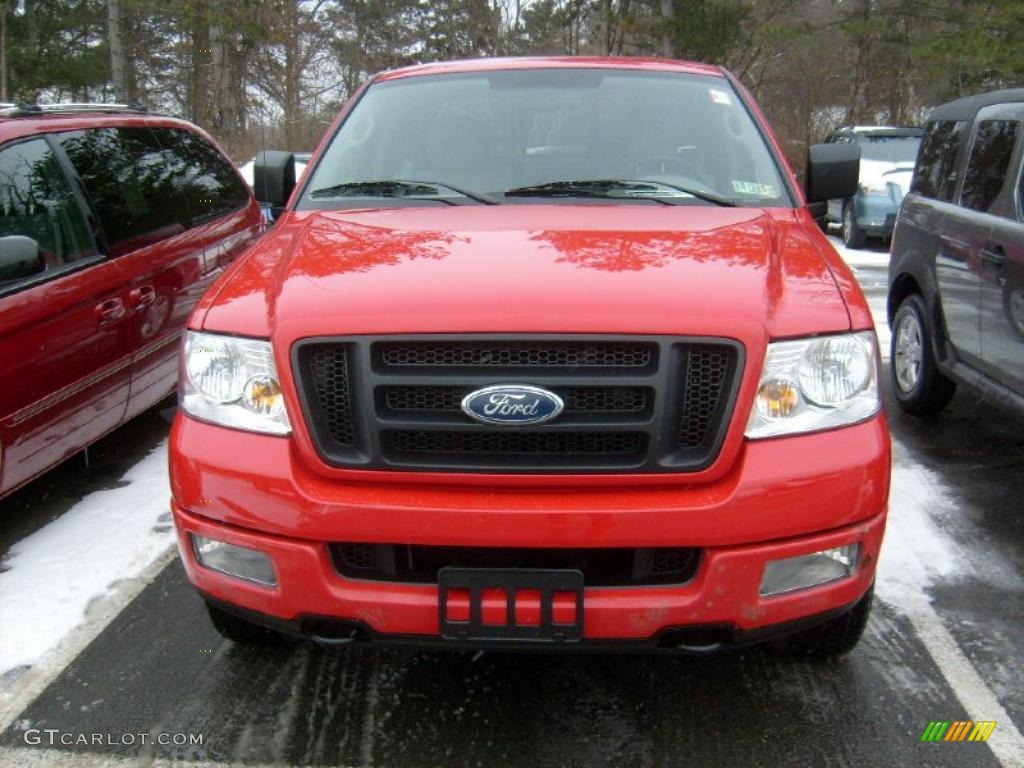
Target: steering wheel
[(637, 169)]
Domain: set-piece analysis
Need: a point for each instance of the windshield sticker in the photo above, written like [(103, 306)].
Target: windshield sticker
[(753, 188), (720, 97)]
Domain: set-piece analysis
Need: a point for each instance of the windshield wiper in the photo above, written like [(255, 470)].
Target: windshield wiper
[(400, 188), (617, 188)]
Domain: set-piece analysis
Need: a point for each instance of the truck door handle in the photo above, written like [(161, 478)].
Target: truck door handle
[(141, 297), (109, 312)]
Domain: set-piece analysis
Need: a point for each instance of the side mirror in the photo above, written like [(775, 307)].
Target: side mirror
[(19, 258), (273, 177), (833, 171)]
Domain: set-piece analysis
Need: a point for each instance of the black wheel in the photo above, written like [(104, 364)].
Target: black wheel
[(1013, 306), (836, 636), (919, 386), (853, 235), (238, 630)]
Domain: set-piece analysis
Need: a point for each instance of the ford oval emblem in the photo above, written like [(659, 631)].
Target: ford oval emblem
[(513, 405)]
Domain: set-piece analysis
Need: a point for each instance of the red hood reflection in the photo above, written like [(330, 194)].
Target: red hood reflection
[(525, 268)]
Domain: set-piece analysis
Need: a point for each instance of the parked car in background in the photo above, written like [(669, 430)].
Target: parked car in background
[(301, 159), (887, 157), (956, 277), (113, 223), (542, 353)]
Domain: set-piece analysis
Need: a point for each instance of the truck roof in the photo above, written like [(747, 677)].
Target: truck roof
[(552, 62)]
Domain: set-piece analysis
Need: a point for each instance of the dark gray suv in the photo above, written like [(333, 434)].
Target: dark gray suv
[(956, 276)]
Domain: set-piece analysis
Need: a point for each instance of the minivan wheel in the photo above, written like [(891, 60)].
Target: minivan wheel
[(836, 636), (238, 630), (919, 386), (853, 235)]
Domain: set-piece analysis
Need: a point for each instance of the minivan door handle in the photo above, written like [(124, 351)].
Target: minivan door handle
[(993, 256), (141, 297), (109, 312)]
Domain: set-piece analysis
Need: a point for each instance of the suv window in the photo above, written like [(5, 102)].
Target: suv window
[(37, 201), (936, 172), (989, 160), (130, 182), (206, 181)]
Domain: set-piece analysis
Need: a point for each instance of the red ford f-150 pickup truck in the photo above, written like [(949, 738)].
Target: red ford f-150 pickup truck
[(542, 353)]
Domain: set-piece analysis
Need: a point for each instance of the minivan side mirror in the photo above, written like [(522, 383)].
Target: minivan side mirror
[(19, 258), (833, 171), (273, 177)]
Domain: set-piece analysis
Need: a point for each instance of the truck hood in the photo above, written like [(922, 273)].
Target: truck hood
[(701, 270)]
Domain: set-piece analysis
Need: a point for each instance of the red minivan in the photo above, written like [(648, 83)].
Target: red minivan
[(113, 223), (541, 353)]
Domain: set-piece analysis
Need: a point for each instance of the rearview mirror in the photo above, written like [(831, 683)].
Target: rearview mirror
[(19, 258), (833, 172), (273, 177)]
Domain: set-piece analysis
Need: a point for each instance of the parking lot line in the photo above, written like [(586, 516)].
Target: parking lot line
[(977, 698), (26, 688)]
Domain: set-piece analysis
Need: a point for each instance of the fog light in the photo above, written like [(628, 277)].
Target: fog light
[(809, 570), (240, 562)]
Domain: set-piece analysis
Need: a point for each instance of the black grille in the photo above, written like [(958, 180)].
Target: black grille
[(328, 371), (514, 354), (600, 567), (650, 404), (578, 400), (573, 446), (707, 375)]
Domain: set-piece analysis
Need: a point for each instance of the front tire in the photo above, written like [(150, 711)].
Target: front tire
[(238, 630), (853, 236), (919, 386), (836, 636)]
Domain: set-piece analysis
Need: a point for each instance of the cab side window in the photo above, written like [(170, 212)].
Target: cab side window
[(202, 176), (988, 163), (130, 182), (37, 205), (936, 173)]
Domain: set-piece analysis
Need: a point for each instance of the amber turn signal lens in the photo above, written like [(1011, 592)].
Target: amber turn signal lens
[(262, 394), (777, 399)]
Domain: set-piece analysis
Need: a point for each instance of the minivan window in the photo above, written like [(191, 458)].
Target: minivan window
[(936, 173), (36, 201), (201, 175), (130, 183), (494, 132), (988, 163)]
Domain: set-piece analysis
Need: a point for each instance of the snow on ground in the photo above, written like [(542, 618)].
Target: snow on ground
[(871, 268), (50, 577)]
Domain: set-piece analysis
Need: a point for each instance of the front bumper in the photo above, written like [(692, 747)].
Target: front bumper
[(785, 497)]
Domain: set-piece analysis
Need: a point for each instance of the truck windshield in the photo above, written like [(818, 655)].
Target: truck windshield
[(892, 149), (477, 135)]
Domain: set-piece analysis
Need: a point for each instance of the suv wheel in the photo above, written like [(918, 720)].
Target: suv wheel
[(238, 630), (836, 636), (917, 383), (853, 235)]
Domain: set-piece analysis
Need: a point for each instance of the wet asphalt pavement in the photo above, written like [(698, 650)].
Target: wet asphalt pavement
[(160, 667)]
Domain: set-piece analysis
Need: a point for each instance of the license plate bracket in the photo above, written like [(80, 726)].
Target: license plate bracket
[(546, 587)]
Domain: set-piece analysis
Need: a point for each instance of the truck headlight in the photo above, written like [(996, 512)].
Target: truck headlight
[(233, 382), (817, 383)]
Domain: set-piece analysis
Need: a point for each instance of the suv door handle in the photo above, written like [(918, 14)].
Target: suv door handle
[(141, 297), (109, 312)]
